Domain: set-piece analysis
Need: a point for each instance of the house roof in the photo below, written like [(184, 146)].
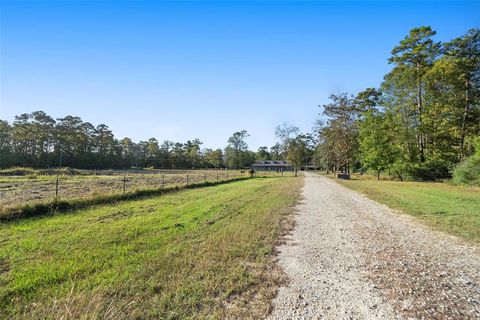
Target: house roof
[(272, 163)]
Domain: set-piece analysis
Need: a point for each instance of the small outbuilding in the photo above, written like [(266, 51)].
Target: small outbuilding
[(272, 165)]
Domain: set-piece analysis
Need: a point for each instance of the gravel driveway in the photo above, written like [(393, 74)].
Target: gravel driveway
[(352, 258)]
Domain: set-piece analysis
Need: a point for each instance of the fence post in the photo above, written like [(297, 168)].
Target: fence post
[(187, 180), (163, 180), (217, 176), (227, 176), (205, 177), (124, 183), (56, 189)]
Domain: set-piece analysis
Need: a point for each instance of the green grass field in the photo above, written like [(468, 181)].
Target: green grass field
[(453, 209), (203, 252)]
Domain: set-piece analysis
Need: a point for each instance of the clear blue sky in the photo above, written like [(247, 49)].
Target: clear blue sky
[(184, 70)]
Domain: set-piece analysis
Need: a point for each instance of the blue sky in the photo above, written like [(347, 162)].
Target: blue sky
[(184, 70)]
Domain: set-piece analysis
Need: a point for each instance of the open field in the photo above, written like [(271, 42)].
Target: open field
[(453, 209), (38, 188), (197, 253)]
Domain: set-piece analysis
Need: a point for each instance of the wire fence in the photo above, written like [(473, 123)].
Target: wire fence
[(21, 190)]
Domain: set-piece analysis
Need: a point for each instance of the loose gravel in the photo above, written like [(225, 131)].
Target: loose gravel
[(352, 258)]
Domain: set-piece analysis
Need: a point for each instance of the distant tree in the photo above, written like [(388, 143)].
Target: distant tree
[(262, 154), (128, 152), (179, 156), (300, 150), (166, 154), (153, 153), (285, 132), (276, 151), (5, 144), (237, 146), (192, 149), (213, 158), (340, 133)]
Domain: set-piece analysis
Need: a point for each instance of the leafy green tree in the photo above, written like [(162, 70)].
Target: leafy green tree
[(5, 144), (340, 133), (262, 154), (236, 149), (127, 152), (153, 153), (464, 55), (213, 158), (276, 151), (413, 57), (300, 150), (192, 150), (377, 152), (285, 132)]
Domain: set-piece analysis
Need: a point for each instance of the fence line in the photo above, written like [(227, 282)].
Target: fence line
[(39, 189)]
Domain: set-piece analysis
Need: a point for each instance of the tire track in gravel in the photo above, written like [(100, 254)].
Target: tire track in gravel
[(352, 258)]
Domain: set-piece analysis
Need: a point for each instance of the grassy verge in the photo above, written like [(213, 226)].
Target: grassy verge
[(201, 253), (453, 209)]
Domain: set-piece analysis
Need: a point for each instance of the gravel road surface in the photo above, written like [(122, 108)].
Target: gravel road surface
[(352, 258)]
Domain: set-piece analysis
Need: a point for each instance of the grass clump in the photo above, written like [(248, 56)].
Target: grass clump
[(200, 253)]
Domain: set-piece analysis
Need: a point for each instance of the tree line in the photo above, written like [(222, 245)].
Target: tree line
[(37, 140), (420, 123), (40, 141)]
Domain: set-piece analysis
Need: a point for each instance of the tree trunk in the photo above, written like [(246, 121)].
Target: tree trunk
[(420, 122), (464, 119)]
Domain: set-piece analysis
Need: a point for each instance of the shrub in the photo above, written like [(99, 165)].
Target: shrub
[(468, 171), (431, 170)]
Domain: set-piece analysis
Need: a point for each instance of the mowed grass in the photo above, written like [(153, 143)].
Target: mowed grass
[(201, 253), (453, 209)]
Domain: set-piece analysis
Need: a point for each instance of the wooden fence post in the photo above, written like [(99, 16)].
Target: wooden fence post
[(124, 183), (56, 189), (163, 180), (187, 180), (217, 176)]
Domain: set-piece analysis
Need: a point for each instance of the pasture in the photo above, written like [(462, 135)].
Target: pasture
[(203, 252), (39, 186)]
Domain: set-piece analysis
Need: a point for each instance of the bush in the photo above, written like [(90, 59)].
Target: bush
[(468, 171), (17, 171), (431, 170)]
